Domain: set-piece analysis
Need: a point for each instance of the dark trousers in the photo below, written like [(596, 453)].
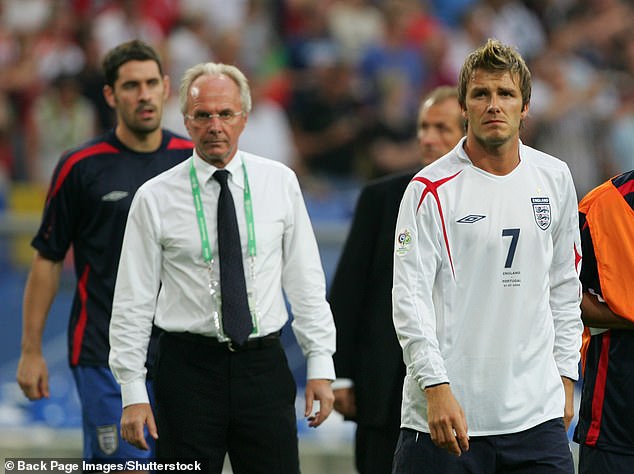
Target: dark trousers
[(375, 445), (543, 449), (374, 448), (600, 461), (211, 402)]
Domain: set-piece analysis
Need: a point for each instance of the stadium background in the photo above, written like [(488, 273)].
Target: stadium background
[(336, 85)]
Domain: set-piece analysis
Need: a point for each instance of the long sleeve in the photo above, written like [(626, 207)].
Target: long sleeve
[(565, 288), (417, 257), (136, 289), (304, 283)]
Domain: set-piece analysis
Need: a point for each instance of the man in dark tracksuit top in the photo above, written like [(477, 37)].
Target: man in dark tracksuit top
[(605, 429), (86, 207), (369, 361)]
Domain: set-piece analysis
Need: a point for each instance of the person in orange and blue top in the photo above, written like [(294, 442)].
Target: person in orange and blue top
[(605, 430)]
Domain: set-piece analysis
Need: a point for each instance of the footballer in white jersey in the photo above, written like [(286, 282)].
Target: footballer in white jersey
[(486, 292)]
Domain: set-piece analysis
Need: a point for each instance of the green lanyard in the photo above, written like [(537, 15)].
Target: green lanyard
[(202, 223)]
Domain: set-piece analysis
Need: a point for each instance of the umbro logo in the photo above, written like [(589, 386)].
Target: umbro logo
[(114, 196), (470, 219)]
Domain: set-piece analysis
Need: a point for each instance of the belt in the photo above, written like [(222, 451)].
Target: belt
[(251, 344)]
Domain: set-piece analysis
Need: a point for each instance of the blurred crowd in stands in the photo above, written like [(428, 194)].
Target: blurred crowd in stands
[(336, 83)]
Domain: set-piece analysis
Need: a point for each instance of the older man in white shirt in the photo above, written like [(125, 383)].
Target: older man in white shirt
[(218, 390)]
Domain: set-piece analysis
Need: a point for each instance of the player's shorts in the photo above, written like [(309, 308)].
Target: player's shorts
[(592, 460), (543, 449), (100, 397)]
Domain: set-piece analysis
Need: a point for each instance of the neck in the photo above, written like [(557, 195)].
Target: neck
[(219, 161), (141, 142), (497, 159)]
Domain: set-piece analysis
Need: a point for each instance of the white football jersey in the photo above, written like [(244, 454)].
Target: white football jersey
[(486, 292)]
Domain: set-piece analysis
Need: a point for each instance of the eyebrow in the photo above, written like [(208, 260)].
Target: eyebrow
[(509, 90)]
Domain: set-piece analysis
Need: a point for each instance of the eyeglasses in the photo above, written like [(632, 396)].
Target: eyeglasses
[(205, 118)]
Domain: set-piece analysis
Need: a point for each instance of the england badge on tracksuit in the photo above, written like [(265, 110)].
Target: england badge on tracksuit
[(108, 438)]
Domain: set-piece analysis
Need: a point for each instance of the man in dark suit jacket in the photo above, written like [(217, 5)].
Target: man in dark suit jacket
[(368, 360)]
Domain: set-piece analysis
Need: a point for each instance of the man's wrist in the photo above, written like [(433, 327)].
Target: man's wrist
[(342, 383), (435, 385)]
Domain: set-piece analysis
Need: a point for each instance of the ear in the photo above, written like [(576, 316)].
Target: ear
[(524, 112), (186, 122), (166, 84), (245, 119), (108, 94)]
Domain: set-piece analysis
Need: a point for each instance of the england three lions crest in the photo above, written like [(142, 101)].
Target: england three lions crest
[(108, 439), (541, 211)]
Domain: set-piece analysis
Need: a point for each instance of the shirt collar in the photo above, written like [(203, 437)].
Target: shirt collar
[(205, 171), (462, 154)]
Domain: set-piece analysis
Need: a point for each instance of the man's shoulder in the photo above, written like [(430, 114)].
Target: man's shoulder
[(80, 158), (259, 160), (100, 145), (171, 177), (542, 159), (386, 187), (624, 183), (174, 141), (618, 187), (391, 181), (444, 167), (256, 165)]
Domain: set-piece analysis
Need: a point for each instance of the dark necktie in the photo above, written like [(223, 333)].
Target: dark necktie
[(236, 317)]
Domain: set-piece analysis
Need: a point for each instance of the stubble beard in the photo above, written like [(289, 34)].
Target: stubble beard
[(217, 159), (142, 129)]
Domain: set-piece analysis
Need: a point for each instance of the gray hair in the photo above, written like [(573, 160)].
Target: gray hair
[(215, 69), (438, 95)]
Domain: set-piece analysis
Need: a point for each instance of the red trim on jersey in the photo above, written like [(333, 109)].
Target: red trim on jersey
[(78, 334), (626, 188), (97, 149), (432, 187), (599, 391), (179, 144)]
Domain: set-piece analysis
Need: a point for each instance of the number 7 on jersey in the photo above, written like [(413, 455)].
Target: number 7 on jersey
[(515, 235)]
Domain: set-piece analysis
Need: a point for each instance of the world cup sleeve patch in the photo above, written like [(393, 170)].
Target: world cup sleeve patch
[(403, 242), (541, 211)]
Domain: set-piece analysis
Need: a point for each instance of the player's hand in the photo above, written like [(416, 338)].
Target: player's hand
[(569, 407), (447, 423), (32, 375), (318, 389), (345, 402), (133, 419)]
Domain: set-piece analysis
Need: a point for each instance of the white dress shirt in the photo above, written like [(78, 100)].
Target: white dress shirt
[(162, 255), (486, 293)]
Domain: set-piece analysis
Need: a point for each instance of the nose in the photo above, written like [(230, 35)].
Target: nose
[(214, 126), (144, 92), (428, 135), (493, 103)]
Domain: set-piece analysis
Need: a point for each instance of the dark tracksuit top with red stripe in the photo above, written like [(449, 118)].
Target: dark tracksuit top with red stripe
[(87, 207), (606, 413)]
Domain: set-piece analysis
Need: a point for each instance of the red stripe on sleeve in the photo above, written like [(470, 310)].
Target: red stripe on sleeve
[(599, 391), (626, 188), (179, 144), (97, 149), (431, 187), (78, 333)]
